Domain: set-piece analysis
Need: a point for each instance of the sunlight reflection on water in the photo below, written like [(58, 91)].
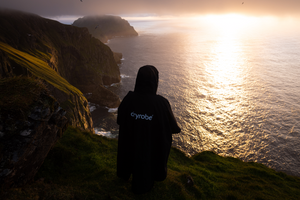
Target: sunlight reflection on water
[(234, 91)]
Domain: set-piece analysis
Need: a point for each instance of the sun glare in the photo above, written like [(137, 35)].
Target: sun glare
[(228, 63), (229, 23), (229, 58)]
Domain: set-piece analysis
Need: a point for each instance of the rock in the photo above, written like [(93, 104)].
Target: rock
[(118, 57), (76, 106), (190, 181), (27, 135)]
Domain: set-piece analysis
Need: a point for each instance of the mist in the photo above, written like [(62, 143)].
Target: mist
[(56, 8)]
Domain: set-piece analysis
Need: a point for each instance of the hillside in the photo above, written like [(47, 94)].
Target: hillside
[(83, 166), (105, 27), (16, 63)]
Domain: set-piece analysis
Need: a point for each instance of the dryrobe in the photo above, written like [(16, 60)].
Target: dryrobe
[(145, 134)]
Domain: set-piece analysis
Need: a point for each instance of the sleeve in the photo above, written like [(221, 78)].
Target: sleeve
[(124, 158), (121, 110), (172, 121)]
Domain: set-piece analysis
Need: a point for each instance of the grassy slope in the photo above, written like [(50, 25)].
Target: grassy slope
[(17, 95), (83, 166), (39, 68)]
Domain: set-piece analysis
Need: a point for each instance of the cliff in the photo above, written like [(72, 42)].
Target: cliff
[(35, 46), (31, 121), (45, 70), (105, 27)]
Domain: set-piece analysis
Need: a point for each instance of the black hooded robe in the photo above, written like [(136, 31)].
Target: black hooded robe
[(145, 134)]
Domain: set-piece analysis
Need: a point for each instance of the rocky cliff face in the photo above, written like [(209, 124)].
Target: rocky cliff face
[(105, 27), (31, 121), (71, 52), (45, 70), (14, 63)]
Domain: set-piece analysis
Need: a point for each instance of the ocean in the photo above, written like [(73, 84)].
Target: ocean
[(233, 83)]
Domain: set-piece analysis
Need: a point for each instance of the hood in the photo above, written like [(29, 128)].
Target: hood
[(146, 80)]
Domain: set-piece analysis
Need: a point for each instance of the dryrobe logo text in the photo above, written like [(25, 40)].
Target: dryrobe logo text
[(140, 116)]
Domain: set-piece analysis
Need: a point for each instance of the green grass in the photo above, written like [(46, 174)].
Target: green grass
[(19, 92), (39, 68), (83, 166)]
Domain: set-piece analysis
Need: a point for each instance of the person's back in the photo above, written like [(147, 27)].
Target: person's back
[(145, 135)]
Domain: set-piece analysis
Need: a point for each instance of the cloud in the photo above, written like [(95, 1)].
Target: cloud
[(53, 8)]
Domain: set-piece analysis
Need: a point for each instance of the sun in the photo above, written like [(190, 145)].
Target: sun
[(229, 58), (228, 23), (227, 20)]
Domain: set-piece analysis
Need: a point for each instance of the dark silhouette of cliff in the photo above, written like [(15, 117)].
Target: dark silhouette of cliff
[(105, 27), (46, 71)]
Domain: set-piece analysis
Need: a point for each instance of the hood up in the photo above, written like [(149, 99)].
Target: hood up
[(146, 80)]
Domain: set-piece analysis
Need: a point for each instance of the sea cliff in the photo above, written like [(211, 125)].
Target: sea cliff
[(43, 48), (105, 27), (31, 121), (70, 65)]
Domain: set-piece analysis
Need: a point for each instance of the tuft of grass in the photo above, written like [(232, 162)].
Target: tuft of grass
[(82, 165), (19, 92)]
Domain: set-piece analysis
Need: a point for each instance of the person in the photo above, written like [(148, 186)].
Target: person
[(146, 124)]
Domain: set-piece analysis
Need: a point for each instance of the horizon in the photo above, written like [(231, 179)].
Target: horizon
[(219, 12), (162, 8)]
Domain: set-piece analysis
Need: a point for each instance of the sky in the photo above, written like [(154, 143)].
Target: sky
[(55, 8)]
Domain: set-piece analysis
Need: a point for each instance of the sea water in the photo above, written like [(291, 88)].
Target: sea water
[(234, 86)]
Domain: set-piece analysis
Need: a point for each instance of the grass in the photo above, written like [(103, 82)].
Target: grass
[(82, 165), (39, 68), (19, 92)]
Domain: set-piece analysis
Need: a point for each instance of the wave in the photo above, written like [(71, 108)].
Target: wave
[(112, 110), (101, 131), (92, 106), (112, 85), (124, 76)]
